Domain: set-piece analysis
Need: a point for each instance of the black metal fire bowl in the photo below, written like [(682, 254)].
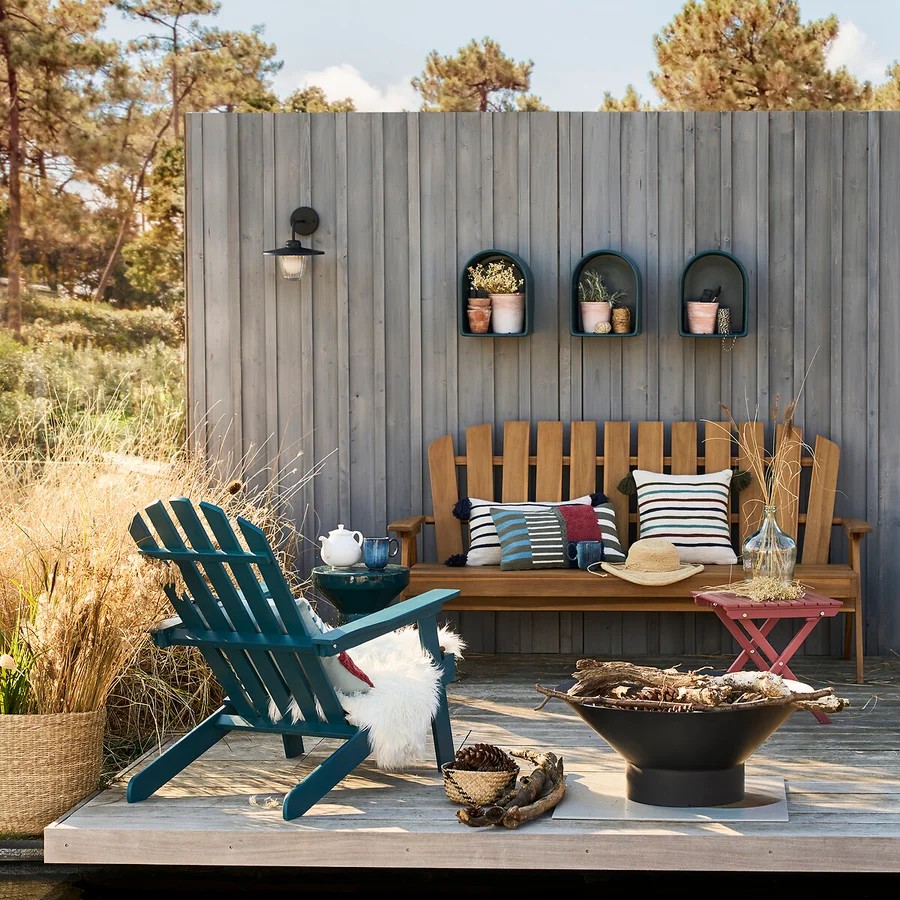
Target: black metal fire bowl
[(683, 758)]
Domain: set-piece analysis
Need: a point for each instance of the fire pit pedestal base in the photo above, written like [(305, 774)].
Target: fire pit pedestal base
[(682, 787)]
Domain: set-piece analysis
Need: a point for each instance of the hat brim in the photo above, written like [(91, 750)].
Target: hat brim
[(650, 578)]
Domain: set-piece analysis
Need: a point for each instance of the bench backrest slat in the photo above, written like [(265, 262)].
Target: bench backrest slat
[(616, 465), (787, 497), (444, 494), (684, 448), (516, 441), (480, 461), (548, 482), (583, 459), (750, 459), (692, 448), (820, 507)]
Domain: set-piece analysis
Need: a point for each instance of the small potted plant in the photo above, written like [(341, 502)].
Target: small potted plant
[(502, 282), (596, 301), (701, 314)]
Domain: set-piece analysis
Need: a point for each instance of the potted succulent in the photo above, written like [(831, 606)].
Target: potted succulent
[(596, 301), (502, 282), (701, 314)]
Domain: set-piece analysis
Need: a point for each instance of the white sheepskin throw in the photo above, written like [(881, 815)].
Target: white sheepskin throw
[(398, 709)]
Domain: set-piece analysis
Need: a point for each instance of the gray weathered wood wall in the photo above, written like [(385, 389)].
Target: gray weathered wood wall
[(361, 364)]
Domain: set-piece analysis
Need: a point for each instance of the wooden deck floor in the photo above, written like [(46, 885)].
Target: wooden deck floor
[(842, 784)]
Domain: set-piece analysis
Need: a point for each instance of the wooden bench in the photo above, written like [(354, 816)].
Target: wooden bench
[(552, 473)]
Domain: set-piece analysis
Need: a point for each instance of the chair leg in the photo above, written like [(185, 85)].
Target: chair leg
[(326, 775), (293, 745), (178, 757), (440, 724)]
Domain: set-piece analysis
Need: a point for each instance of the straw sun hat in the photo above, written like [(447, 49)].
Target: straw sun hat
[(652, 561)]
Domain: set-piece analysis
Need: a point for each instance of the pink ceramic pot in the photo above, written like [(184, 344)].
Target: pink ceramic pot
[(701, 316), (508, 313), (592, 314)]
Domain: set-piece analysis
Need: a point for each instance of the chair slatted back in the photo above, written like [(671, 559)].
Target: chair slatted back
[(598, 458), (237, 592)]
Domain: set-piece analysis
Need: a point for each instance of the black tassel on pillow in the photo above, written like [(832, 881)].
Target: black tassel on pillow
[(463, 509), (740, 480), (597, 499), (628, 485), (458, 559)]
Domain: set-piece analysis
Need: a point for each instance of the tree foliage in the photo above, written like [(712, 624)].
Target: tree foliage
[(631, 101), (750, 54), (887, 95), (312, 99), (480, 77)]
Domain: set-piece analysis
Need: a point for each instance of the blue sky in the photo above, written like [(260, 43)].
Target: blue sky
[(369, 49)]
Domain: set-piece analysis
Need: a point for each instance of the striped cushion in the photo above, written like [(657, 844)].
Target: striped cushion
[(691, 511), (536, 539), (484, 544)]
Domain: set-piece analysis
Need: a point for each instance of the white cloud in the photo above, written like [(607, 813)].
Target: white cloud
[(345, 80), (854, 49)]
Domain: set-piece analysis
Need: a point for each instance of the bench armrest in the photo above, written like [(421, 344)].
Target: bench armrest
[(408, 529), (856, 526), (161, 631)]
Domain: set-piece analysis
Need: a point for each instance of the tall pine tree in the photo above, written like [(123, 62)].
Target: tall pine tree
[(750, 54), (480, 77)]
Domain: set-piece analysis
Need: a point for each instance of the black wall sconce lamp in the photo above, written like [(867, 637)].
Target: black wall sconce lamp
[(293, 257)]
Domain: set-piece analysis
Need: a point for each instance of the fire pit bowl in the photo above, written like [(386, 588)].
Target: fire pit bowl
[(684, 758)]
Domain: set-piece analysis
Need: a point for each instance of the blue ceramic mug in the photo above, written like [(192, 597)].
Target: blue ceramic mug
[(377, 550), (585, 553)]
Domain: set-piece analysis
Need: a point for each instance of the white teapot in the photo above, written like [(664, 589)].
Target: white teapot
[(341, 547)]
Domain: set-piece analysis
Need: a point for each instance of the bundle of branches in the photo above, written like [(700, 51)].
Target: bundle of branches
[(629, 686), (532, 795)]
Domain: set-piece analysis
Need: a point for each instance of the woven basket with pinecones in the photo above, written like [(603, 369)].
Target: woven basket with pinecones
[(479, 774)]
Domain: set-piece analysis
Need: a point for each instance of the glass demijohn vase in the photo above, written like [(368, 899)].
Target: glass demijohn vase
[(769, 553)]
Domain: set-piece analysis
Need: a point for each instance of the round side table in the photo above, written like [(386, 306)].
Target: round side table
[(358, 591)]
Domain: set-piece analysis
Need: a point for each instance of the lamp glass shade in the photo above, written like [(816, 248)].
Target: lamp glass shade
[(293, 268)]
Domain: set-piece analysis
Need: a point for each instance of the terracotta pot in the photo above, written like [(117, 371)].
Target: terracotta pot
[(592, 314), (479, 319), (508, 312), (701, 316), (482, 302)]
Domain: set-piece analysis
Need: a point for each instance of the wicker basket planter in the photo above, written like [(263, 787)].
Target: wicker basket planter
[(48, 763), (476, 788)]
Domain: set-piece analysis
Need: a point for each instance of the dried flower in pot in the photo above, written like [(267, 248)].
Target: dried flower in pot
[(502, 282)]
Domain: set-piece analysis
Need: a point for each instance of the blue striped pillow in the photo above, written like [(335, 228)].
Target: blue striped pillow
[(691, 511), (533, 539)]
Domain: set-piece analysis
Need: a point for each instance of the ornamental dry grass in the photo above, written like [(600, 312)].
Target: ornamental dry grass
[(73, 586)]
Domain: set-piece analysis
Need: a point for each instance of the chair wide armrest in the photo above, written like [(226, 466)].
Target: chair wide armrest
[(406, 612), (856, 526)]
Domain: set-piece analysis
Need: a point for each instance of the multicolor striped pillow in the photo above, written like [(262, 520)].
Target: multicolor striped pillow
[(538, 539), (484, 544), (691, 511)]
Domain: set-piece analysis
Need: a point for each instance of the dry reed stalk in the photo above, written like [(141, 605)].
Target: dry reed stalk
[(72, 581)]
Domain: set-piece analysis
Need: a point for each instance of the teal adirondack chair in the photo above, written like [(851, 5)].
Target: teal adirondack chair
[(260, 667)]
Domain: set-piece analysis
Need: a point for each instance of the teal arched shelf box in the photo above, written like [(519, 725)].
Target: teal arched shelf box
[(619, 274), (465, 292), (710, 270)]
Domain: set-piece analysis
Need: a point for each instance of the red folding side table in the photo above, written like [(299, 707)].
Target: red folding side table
[(739, 614)]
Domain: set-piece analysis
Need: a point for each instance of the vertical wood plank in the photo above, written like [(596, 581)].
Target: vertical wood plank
[(762, 260), (684, 448), (799, 194), (416, 431), (690, 248), (583, 459), (342, 330), (514, 486), (650, 436), (270, 289), (195, 305), (820, 509), (787, 496), (548, 474), (718, 446), (444, 493), (616, 465), (377, 515), (751, 458), (480, 461), (835, 367)]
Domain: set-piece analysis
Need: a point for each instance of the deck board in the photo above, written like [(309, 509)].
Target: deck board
[(842, 783)]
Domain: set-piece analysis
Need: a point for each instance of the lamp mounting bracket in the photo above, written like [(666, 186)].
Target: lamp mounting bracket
[(304, 220)]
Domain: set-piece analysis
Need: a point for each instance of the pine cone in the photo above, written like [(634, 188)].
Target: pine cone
[(483, 758)]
